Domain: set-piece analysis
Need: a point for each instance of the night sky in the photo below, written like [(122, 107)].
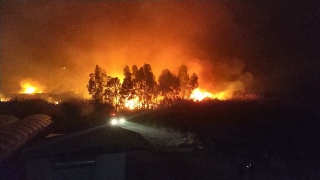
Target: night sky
[(258, 46)]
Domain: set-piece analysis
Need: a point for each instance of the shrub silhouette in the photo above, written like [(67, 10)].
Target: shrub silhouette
[(71, 109)]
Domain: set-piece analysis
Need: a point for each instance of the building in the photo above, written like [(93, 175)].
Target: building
[(100, 153)]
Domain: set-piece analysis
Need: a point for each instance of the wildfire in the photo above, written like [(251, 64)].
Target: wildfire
[(28, 88), (132, 103), (198, 95), (4, 99)]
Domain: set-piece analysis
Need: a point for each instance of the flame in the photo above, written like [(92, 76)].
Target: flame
[(4, 99), (28, 88), (199, 95), (132, 103)]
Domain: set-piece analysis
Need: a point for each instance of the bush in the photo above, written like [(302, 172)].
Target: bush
[(23, 108), (102, 108), (71, 109)]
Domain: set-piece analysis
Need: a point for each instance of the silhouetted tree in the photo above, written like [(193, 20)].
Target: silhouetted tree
[(134, 72), (127, 84), (169, 85), (112, 91), (149, 77), (145, 83), (96, 84), (127, 87), (184, 80), (135, 83), (183, 72), (193, 83), (140, 84)]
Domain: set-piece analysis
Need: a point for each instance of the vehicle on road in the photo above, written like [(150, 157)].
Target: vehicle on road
[(116, 119)]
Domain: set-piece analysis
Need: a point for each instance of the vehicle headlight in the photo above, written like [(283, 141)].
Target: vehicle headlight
[(122, 120), (114, 121)]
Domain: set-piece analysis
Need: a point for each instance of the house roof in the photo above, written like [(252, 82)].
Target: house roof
[(16, 133), (7, 119), (104, 138)]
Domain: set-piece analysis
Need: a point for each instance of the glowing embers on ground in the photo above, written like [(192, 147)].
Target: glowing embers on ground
[(4, 99), (28, 88), (196, 95), (199, 95), (56, 102)]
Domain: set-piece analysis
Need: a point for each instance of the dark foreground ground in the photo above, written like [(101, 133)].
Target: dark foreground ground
[(217, 140), (280, 139)]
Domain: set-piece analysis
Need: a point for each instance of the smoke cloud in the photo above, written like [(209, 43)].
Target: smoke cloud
[(58, 44)]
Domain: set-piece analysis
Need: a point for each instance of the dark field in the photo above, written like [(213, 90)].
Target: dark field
[(207, 140), (279, 138)]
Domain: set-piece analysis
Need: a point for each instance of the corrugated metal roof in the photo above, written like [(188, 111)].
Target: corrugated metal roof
[(16, 133), (7, 119)]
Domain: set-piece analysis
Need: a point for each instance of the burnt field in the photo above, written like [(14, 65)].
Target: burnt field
[(203, 140)]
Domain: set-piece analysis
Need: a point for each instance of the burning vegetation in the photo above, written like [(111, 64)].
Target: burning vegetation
[(140, 90), (30, 87)]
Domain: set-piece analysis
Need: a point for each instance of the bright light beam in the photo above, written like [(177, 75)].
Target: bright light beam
[(159, 136), (114, 122), (122, 120)]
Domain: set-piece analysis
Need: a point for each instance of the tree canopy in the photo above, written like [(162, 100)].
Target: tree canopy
[(97, 83), (139, 88)]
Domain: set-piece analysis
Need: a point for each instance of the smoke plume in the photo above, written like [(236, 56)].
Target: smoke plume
[(58, 44)]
